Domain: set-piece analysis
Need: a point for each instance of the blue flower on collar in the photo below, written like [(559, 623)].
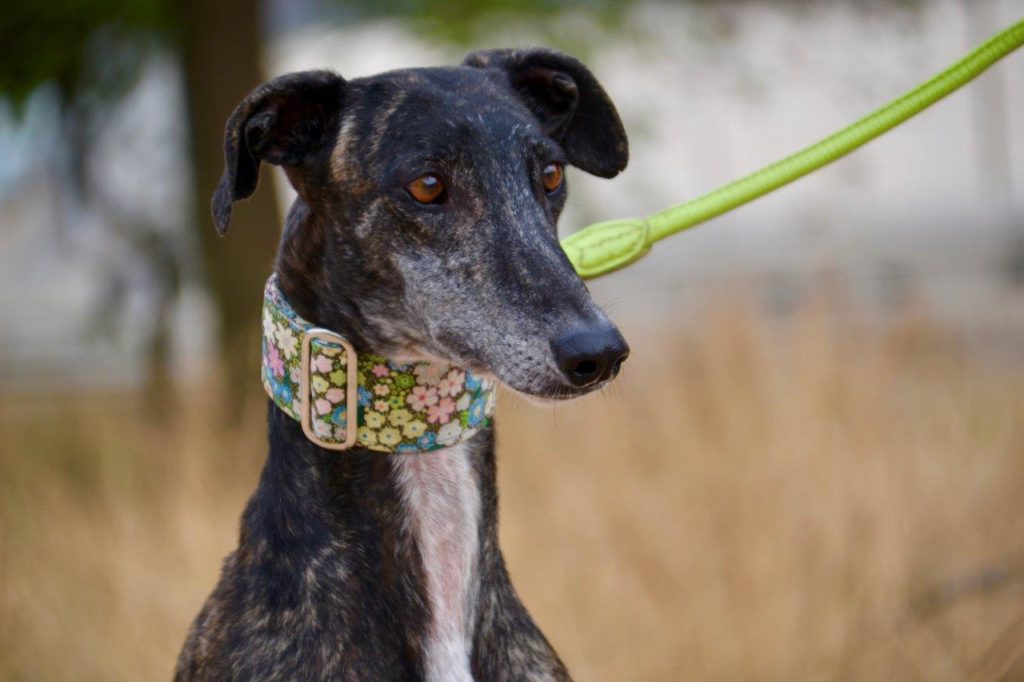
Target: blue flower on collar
[(477, 412), (282, 391), (338, 417)]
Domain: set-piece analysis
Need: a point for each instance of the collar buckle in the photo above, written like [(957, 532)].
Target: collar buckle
[(351, 389)]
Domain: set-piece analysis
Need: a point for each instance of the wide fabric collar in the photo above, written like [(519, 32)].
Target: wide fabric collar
[(315, 377)]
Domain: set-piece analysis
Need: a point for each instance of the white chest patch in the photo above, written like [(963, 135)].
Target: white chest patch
[(443, 501)]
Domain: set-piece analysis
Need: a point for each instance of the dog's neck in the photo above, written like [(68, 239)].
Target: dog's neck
[(397, 534), (417, 523)]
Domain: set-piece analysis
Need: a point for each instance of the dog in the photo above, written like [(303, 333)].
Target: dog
[(423, 236)]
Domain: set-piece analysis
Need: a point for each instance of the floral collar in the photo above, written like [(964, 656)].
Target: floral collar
[(314, 376)]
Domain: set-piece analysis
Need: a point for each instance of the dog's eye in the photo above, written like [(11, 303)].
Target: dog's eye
[(426, 189), (552, 176)]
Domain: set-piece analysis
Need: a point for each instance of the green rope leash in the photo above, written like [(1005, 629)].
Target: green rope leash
[(605, 247)]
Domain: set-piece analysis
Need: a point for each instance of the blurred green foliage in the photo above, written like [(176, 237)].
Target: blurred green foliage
[(95, 48), (84, 48), (459, 21)]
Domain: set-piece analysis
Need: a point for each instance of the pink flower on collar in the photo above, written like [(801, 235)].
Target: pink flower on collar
[(429, 373), (451, 384), (322, 364), (442, 412), (421, 397), (275, 362), (380, 370)]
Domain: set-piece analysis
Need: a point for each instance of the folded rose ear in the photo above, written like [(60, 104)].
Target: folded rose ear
[(570, 104), (282, 122)]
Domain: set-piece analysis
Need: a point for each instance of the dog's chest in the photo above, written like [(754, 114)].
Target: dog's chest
[(441, 493)]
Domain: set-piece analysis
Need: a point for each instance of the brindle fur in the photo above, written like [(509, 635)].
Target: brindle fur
[(327, 582)]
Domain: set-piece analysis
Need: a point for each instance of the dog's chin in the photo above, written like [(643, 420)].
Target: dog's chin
[(553, 393)]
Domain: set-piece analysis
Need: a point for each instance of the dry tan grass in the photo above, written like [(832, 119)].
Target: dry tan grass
[(750, 502)]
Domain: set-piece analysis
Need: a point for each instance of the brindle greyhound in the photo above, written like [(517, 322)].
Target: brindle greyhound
[(424, 228)]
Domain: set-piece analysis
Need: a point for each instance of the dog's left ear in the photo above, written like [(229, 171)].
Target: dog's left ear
[(571, 105), (283, 122)]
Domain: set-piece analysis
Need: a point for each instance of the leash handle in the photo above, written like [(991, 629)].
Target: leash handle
[(608, 246)]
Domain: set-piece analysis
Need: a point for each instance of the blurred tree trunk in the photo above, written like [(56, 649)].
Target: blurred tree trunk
[(221, 47)]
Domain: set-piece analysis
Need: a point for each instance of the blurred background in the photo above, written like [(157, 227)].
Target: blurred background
[(812, 467)]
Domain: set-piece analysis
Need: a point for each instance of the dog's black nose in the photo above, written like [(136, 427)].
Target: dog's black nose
[(590, 355)]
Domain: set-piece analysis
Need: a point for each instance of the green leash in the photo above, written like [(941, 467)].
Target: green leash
[(605, 247)]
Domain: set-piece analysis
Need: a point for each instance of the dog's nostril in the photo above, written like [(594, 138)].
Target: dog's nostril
[(585, 368), (590, 355), (618, 365)]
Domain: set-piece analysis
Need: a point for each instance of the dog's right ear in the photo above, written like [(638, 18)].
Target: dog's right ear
[(282, 122)]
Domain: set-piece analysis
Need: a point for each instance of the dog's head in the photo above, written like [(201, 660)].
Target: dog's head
[(425, 224)]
